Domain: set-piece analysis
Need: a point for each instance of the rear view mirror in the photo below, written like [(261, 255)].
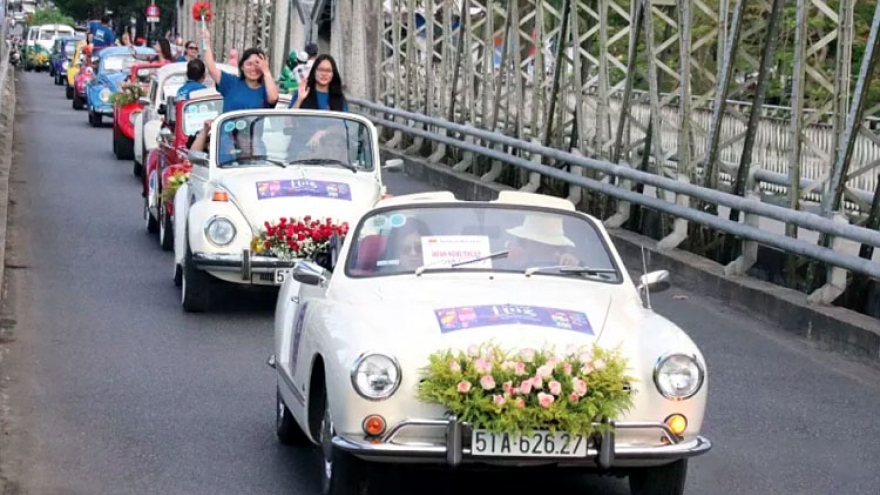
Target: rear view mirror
[(395, 165), (655, 281)]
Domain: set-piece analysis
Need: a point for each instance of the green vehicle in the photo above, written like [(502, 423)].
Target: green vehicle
[(39, 44)]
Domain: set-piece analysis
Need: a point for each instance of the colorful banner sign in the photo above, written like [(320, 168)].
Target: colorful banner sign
[(465, 317), (303, 187)]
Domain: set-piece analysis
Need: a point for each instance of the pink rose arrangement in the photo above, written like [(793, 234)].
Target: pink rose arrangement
[(529, 389)]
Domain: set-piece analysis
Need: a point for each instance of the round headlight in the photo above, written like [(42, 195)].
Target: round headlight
[(105, 95), (64, 65), (375, 376), (220, 231), (678, 376)]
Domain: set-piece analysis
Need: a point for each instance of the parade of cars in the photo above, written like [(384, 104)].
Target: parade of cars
[(418, 329)]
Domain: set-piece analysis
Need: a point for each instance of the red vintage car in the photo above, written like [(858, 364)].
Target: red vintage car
[(123, 115), (86, 74), (170, 157)]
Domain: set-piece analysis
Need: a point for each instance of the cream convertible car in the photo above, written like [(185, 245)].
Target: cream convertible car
[(422, 273), (265, 165)]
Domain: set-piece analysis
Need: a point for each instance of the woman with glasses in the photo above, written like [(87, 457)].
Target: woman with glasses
[(323, 88), (254, 87), (191, 52)]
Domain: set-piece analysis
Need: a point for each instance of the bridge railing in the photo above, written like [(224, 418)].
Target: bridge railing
[(750, 207)]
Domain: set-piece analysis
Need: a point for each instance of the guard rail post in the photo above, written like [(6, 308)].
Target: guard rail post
[(534, 177), (440, 148), (623, 207), (467, 157), (497, 167), (749, 249), (836, 281), (680, 225), (576, 193)]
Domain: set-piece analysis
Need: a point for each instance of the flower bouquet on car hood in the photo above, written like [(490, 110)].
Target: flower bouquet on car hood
[(527, 390), (292, 238)]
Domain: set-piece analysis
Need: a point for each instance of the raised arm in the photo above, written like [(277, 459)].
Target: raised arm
[(269, 81), (211, 64)]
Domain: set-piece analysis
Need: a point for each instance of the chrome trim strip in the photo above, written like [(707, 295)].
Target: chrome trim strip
[(290, 386)]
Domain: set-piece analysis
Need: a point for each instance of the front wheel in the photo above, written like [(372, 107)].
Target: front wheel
[(78, 102), (166, 228), (196, 286), (668, 479), (344, 474)]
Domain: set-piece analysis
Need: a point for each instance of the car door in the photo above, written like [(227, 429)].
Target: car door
[(306, 323)]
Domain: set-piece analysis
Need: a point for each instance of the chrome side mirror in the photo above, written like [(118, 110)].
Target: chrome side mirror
[(143, 100), (655, 281), (198, 158), (306, 272), (395, 165)]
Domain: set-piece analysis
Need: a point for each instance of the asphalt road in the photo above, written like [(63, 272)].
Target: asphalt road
[(131, 395)]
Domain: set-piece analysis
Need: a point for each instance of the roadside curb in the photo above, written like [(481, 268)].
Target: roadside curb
[(832, 328), (7, 123)]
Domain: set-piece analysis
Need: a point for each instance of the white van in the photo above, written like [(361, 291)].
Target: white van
[(40, 39)]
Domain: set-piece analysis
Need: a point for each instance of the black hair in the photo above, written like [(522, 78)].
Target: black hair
[(195, 70), (246, 55), (105, 19), (165, 49), (337, 99)]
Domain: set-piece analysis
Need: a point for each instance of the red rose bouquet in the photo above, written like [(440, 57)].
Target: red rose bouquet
[(291, 238), (202, 13)]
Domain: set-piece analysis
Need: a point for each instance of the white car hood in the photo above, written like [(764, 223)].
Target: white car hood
[(408, 313), (344, 195)]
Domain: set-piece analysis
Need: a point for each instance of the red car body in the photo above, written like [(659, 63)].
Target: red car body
[(79, 86), (171, 156), (123, 125)]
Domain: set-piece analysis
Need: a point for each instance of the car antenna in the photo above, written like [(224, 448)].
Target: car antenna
[(645, 272)]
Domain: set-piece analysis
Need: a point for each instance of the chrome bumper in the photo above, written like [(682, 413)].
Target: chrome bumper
[(246, 263), (604, 453)]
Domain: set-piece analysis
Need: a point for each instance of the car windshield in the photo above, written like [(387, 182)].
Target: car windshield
[(295, 140), (121, 62), (485, 237), (173, 83), (48, 35), (196, 113)]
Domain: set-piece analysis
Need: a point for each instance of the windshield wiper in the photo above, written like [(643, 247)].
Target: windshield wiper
[(255, 158), (570, 270), (323, 161), (424, 268)]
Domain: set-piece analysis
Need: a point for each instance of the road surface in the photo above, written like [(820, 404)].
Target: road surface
[(128, 394)]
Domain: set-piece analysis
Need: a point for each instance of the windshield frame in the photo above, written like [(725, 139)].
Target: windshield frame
[(274, 112), (618, 267)]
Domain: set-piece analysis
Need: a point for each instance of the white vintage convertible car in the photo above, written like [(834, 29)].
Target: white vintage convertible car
[(264, 165), (426, 272)]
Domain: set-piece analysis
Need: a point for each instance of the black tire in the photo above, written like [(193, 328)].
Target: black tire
[(288, 431), (343, 473), (668, 479), (150, 223), (166, 229), (123, 147), (68, 92), (78, 103), (99, 119), (139, 167), (195, 294)]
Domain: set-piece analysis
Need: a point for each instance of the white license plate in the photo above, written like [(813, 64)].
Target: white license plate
[(535, 444), (281, 275)]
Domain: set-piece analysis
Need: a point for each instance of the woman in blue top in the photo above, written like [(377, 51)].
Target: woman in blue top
[(323, 88), (254, 87)]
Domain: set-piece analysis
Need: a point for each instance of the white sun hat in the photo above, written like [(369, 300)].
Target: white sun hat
[(543, 228)]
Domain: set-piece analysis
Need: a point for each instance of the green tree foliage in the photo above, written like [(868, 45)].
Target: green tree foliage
[(123, 10), (50, 16)]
